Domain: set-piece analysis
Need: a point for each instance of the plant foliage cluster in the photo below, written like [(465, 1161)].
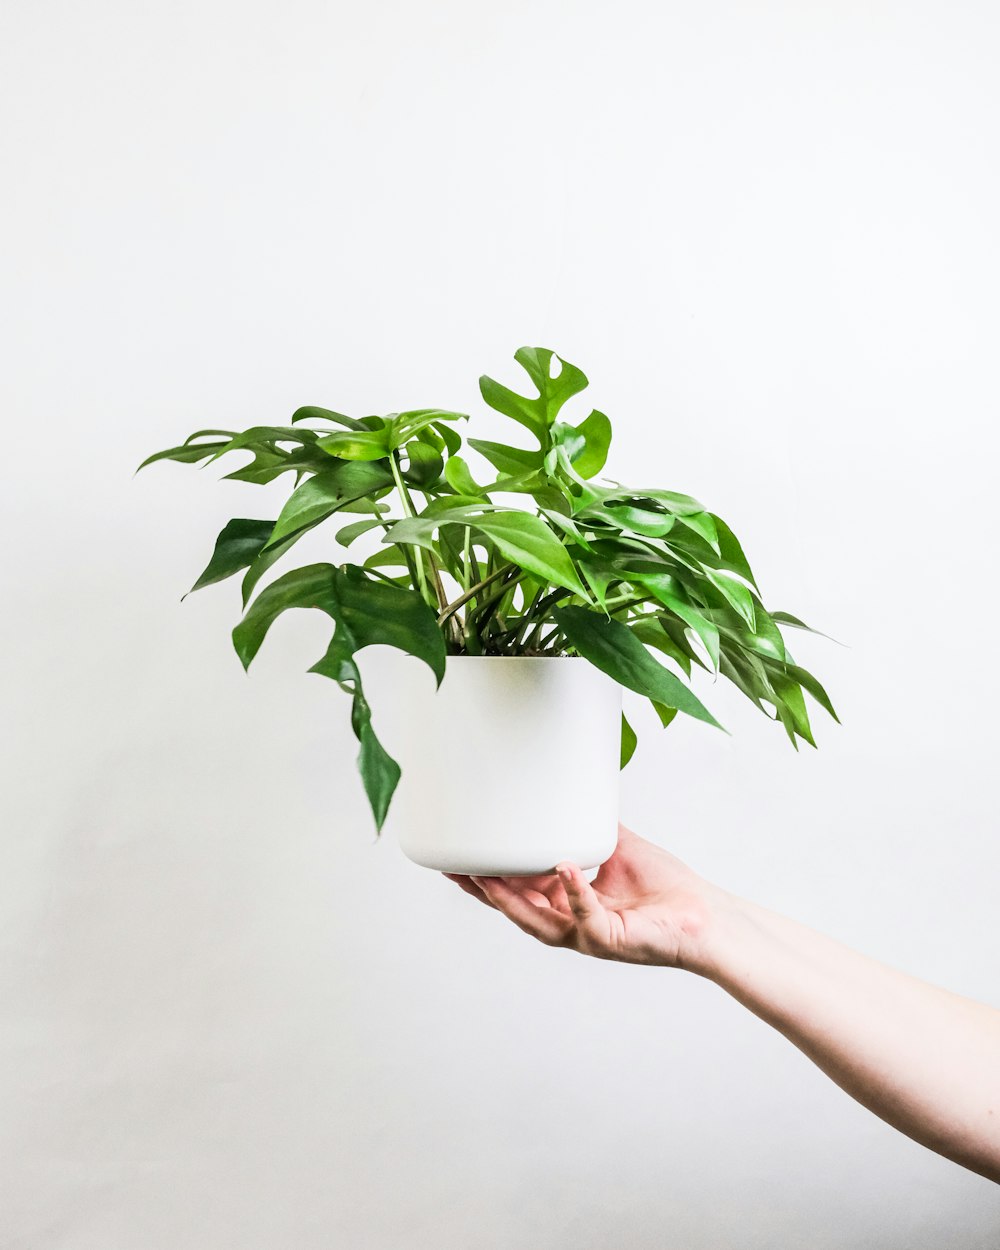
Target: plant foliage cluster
[(533, 556)]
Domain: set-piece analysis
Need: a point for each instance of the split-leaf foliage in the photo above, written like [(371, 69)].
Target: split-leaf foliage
[(528, 554)]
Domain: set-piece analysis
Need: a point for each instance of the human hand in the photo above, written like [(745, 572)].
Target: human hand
[(643, 907)]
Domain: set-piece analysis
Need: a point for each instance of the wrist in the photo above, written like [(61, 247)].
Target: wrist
[(710, 940)]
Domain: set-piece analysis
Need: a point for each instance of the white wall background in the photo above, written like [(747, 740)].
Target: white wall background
[(769, 233)]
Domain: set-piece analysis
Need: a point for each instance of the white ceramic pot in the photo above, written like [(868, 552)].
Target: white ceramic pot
[(511, 766)]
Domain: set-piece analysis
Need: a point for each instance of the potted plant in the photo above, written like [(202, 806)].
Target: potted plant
[(532, 593)]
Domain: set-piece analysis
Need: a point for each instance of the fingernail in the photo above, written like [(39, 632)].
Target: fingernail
[(563, 871), (478, 881)]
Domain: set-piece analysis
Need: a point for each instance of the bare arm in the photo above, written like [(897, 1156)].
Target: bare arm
[(923, 1059)]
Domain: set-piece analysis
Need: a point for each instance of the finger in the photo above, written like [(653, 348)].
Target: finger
[(543, 923), (583, 902), (469, 886), (533, 888)]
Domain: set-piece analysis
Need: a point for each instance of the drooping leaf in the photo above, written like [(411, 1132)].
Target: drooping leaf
[(737, 594), (379, 771), (365, 612), (265, 559), (668, 591), (666, 714), (326, 493), (651, 633), (792, 707), (369, 613), (808, 682), (704, 526), (629, 742), (731, 551), (237, 546), (610, 646)]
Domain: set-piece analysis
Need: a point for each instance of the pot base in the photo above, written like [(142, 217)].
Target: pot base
[(464, 869)]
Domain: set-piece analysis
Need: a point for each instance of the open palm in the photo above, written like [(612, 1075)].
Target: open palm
[(644, 905)]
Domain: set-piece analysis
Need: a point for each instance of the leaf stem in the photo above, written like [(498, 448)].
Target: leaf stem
[(451, 608), (414, 564)]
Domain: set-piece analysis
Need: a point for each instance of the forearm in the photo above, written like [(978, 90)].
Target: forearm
[(925, 1060)]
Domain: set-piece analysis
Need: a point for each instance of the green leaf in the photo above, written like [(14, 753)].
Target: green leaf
[(264, 560), (328, 492), (792, 707), (267, 464), (529, 543), (786, 618), (459, 477), (349, 533), (370, 613), (743, 670), (379, 771), (651, 633), (703, 525), (736, 593), (266, 437), (452, 439), (365, 613), (356, 444), (539, 413), (682, 505), (669, 592), (228, 434), (765, 638), (312, 413), (731, 551), (596, 432), (666, 714), (611, 647), (635, 520), (236, 548), (424, 465), (509, 460), (523, 539), (629, 742), (187, 453), (808, 682), (406, 424)]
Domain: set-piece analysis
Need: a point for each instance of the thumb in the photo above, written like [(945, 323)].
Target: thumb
[(583, 902)]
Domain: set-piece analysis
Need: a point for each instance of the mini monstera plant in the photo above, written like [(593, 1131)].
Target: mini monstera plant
[(534, 555)]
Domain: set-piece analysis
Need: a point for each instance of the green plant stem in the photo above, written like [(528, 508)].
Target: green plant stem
[(526, 620), (467, 561), (451, 608), (414, 565), (491, 606), (548, 643)]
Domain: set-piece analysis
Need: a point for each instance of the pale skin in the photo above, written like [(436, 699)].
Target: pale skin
[(923, 1059)]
